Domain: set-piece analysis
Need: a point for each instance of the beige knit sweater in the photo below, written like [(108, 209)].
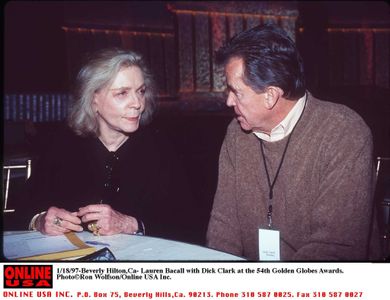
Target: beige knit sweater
[(322, 201)]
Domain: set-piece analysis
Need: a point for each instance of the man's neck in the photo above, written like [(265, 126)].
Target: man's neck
[(279, 112), (284, 120)]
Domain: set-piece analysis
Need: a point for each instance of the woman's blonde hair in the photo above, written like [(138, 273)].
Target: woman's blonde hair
[(98, 73)]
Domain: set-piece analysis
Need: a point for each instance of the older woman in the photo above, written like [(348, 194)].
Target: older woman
[(110, 175)]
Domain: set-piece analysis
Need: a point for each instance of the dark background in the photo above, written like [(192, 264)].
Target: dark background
[(36, 51), (345, 46)]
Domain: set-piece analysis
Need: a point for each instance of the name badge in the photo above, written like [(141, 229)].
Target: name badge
[(269, 244)]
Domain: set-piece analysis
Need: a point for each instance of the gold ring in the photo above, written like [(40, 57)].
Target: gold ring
[(94, 228), (57, 221)]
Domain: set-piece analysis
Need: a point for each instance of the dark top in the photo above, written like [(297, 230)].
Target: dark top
[(143, 179)]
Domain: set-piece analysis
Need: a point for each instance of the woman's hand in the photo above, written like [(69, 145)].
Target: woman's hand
[(57, 221), (108, 221)]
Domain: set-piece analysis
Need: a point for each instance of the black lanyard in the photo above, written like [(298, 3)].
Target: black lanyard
[(271, 185)]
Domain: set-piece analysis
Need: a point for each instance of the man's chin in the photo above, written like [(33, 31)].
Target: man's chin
[(244, 126)]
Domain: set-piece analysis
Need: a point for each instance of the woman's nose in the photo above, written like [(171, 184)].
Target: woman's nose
[(134, 101)]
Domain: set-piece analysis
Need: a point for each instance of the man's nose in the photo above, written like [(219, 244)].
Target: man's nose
[(230, 100)]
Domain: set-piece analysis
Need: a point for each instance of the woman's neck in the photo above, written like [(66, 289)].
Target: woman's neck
[(112, 143)]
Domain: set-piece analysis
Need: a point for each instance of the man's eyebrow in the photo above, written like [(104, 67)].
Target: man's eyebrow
[(231, 88)]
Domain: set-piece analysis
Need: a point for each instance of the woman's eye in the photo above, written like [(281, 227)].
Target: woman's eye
[(121, 94)]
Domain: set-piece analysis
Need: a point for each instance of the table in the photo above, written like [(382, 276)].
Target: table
[(146, 248)]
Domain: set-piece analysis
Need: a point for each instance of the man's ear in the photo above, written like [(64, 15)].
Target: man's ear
[(272, 96)]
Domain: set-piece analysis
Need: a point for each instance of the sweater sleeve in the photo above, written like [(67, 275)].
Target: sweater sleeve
[(341, 213), (224, 231), (37, 193)]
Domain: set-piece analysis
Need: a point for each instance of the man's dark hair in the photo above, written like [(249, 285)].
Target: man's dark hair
[(270, 59)]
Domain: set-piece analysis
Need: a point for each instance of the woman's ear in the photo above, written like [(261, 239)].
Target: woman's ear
[(94, 102)]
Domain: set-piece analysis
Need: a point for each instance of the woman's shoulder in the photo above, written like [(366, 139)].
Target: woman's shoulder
[(149, 137), (66, 138), (152, 145), (62, 142)]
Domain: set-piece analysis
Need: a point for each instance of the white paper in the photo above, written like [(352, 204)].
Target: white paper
[(34, 243), (269, 245)]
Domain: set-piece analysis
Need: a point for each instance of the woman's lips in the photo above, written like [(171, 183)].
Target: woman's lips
[(132, 119)]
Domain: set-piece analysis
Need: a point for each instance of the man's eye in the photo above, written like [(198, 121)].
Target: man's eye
[(228, 92), (142, 91)]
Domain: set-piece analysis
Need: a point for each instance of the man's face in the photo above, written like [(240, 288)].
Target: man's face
[(248, 105)]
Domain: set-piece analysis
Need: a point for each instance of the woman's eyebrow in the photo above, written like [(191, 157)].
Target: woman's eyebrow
[(127, 87), (121, 88), (140, 87)]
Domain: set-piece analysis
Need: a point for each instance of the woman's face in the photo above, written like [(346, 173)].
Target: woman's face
[(120, 105)]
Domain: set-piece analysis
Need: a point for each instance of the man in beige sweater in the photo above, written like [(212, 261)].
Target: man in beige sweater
[(290, 165)]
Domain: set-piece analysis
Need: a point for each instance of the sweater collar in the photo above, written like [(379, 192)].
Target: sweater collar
[(285, 127)]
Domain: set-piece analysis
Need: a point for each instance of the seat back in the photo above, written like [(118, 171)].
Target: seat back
[(11, 172), (383, 201)]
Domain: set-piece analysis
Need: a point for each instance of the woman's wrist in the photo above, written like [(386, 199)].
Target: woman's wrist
[(134, 226), (141, 228), (34, 221)]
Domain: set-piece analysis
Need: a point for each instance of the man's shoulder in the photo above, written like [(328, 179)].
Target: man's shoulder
[(338, 115), (235, 135), (235, 129), (233, 126)]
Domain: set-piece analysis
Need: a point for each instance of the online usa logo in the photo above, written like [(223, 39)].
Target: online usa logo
[(28, 276)]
